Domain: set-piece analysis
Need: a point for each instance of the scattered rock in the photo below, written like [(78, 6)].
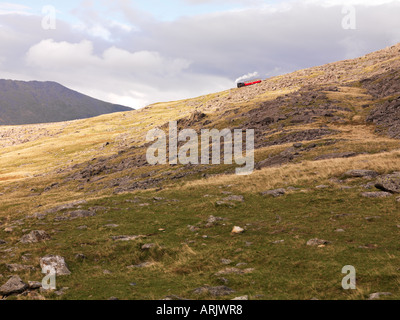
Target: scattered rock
[(242, 298), (2, 242), (38, 216), (75, 215), (148, 246), (361, 174), (377, 295), (56, 263), (322, 187), (275, 193), (19, 267), (66, 206), (336, 155), (226, 192), (13, 286), (379, 194), (211, 221), (234, 198), (127, 238), (33, 285), (226, 261), (193, 228), (371, 219), (222, 203), (317, 242), (369, 185), (214, 291), (369, 246), (237, 230), (234, 271), (389, 182), (241, 264), (35, 236), (142, 265), (111, 226)]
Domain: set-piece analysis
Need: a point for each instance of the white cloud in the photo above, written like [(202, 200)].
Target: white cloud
[(13, 8), (49, 54), (139, 60)]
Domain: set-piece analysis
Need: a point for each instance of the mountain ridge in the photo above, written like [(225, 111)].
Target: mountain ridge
[(32, 102)]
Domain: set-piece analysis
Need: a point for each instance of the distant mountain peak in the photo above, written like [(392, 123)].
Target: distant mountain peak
[(30, 102)]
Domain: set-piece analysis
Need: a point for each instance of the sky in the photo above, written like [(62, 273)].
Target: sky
[(136, 53)]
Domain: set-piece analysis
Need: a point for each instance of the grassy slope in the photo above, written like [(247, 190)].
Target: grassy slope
[(184, 260)]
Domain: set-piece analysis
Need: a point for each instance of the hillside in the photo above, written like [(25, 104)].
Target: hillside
[(43, 102), (323, 195)]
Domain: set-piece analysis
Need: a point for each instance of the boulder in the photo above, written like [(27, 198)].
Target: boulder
[(13, 286), (237, 230), (35, 236), (274, 193), (56, 263), (361, 174), (389, 182)]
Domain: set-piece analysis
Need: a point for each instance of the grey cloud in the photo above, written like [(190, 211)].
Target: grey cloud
[(160, 61)]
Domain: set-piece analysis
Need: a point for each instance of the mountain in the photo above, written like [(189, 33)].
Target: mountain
[(324, 194), (42, 102)]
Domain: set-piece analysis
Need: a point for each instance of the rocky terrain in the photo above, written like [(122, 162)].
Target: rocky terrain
[(81, 197)]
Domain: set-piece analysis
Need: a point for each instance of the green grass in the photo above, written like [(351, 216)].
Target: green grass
[(185, 260)]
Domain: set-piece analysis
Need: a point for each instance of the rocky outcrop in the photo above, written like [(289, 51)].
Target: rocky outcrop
[(56, 263), (13, 286), (361, 174), (35, 236), (389, 183)]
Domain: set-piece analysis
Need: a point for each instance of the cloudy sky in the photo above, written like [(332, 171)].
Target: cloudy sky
[(135, 52)]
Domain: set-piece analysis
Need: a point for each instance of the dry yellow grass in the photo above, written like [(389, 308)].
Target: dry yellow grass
[(305, 172)]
